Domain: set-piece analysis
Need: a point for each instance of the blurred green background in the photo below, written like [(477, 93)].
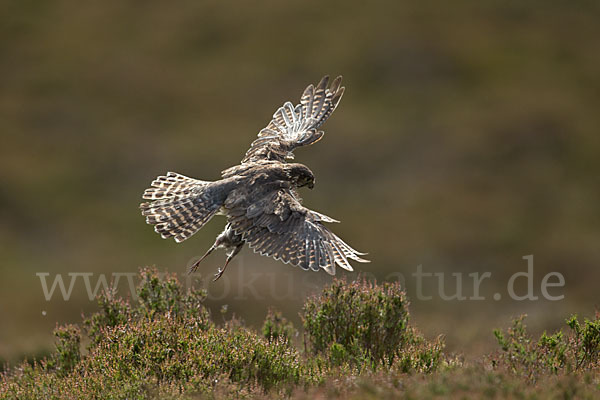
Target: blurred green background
[(468, 138)]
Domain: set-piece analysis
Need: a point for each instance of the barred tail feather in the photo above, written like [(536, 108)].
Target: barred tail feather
[(171, 185), (180, 206)]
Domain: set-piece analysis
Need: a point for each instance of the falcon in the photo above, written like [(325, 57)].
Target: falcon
[(259, 196)]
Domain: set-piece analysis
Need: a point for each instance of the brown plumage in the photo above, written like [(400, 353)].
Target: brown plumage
[(259, 196)]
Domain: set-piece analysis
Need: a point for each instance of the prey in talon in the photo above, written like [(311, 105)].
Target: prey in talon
[(259, 197)]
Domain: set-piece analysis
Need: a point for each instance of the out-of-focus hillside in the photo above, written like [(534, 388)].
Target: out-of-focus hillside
[(468, 138)]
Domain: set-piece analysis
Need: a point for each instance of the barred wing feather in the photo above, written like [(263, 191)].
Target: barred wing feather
[(295, 126), (279, 226)]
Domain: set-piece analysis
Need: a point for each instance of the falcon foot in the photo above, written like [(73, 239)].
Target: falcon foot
[(232, 253), (218, 274), (194, 267)]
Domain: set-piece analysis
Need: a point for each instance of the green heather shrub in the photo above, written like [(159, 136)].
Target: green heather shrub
[(358, 343), (113, 312), (578, 350), (159, 295), (419, 354), (169, 349), (67, 353), (155, 296), (585, 341), (276, 327), (365, 324)]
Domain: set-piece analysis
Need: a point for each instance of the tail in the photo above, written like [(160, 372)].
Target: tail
[(180, 205)]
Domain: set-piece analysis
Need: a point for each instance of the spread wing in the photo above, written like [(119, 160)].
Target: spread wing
[(278, 226), (297, 126)]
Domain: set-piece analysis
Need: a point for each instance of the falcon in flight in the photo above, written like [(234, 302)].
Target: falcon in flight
[(259, 196)]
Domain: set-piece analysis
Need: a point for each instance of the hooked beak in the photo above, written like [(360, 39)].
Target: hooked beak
[(311, 185)]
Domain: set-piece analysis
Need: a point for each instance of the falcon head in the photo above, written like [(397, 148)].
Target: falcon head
[(300, 175)]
